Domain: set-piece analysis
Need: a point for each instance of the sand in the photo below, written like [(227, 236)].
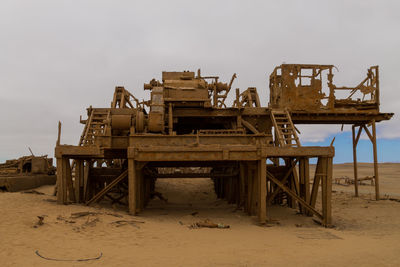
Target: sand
[(366, 232)]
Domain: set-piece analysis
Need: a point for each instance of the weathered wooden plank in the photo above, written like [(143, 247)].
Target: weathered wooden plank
[(60, 181), (285, 178), (375, 150), (293, 194), (132, 186), (78, 182), (353, 130), (315, 187), (327, 212), (66, 150), (262, 184), (242, 184), (304, 175), (106, 189)]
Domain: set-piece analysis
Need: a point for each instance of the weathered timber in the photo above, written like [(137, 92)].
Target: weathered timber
[(187, 127)]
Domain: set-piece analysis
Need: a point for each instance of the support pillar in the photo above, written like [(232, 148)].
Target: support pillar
[(132, 186), (327, 191), (376, 174), (262, 187), (304, 181), (355, 142), (78, 183), (61, 182)]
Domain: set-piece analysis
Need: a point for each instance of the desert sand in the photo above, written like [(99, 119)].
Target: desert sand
[(365, 232)]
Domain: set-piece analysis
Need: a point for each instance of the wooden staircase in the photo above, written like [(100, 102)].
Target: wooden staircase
[(94, 126), (285, 131)]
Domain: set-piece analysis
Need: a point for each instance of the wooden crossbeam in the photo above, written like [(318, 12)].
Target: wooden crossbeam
[(317, 179), (294, 195), (276, 192), (249, 126), (106, 189)]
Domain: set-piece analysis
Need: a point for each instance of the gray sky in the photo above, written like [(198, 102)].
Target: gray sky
[(59, 57)]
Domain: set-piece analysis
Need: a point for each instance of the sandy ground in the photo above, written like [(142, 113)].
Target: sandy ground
[(366, 232)]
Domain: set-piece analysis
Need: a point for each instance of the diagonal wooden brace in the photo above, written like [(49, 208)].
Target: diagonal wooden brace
[(294, 195), (273, 195), (106, 189)]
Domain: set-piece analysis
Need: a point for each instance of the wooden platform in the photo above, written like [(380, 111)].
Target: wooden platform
[(255, 187)]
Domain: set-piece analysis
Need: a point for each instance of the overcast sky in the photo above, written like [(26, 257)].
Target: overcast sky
[(59, 57)]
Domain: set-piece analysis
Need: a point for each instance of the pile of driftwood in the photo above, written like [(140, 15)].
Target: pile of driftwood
[(346, 181)]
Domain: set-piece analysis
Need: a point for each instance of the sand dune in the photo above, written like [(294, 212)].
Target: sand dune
[(366, 232)]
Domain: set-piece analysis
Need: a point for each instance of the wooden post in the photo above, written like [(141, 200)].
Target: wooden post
[(139, 185), (170, 120), (295, 183), (59, 133), (327, 191), (376, 174), (249, 188), (304, 175), (132, 186), (255, 190), (78, 183), (60, 181), (242, 174), (353, 128), (70, 186), (317, 179), (86, 185), (262, 184)]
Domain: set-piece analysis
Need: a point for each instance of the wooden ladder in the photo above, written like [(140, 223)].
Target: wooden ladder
[(94, 126), (285, 130)]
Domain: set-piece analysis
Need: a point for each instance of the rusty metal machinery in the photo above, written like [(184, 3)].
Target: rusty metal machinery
[(186, 130)]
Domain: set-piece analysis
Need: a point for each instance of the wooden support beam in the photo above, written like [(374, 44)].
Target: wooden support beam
[(60, 182), (294, 195), (368, 132), (86, 180), (249, 188), (315, 187), (78, 182), (242, 173), (255, 191), (106, 189), (353, 128), (132, 186), (262, 184), (304, 180), (376, 173), (295, 184), (70, 184), (170, 120), (327, 191), (288, 173), (139, 185), (249, 126)]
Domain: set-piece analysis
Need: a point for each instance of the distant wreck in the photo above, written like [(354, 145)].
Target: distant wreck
[(26, 172)]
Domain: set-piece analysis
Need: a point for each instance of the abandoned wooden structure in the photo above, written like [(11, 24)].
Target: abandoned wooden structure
[(252, 153), (300, 88)]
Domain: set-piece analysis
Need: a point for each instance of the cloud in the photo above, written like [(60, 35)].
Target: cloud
[(59, 57)]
